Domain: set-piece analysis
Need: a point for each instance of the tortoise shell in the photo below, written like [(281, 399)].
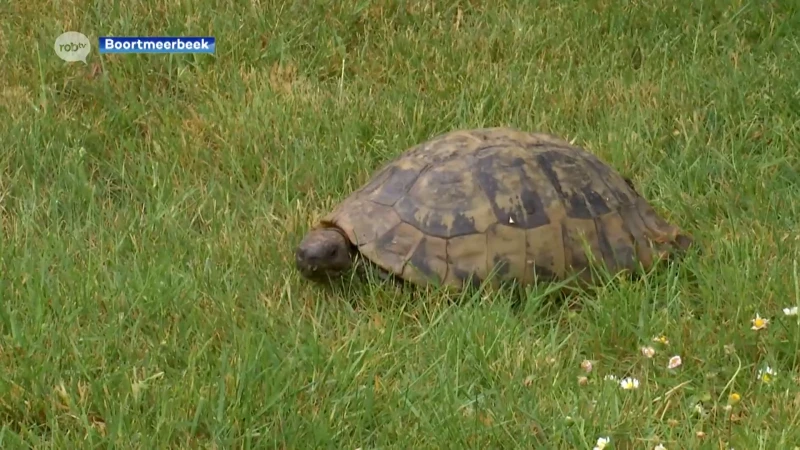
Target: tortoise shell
[(501, 204)]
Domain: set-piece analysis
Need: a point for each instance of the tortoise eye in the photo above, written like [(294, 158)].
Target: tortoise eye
[(332, 252)]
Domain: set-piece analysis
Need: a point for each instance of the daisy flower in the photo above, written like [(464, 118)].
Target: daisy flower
[(767, 374), (648, 351), (661, 339), (602, 443), (698, 408), (759, 323), (629, 383)]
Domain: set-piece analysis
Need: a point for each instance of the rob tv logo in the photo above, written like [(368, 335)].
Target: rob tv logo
[(73, 46)]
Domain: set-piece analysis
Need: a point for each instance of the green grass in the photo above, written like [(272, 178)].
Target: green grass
[(150, 205)]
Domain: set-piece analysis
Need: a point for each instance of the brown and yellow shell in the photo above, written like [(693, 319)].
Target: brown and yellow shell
[(502, 202)]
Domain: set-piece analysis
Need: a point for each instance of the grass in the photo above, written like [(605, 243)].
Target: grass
[(150, 205)]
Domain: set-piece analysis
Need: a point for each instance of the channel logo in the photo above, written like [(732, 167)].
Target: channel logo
[(73, 46)]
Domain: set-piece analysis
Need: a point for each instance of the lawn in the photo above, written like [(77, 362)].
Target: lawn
[(150, 205)]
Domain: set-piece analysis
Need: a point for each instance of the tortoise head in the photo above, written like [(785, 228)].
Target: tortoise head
[(324, 253)]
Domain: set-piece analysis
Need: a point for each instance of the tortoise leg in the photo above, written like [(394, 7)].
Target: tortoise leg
[(367, 269), (383, 274)]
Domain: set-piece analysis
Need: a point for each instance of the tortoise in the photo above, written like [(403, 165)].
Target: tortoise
[(491, 205)]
